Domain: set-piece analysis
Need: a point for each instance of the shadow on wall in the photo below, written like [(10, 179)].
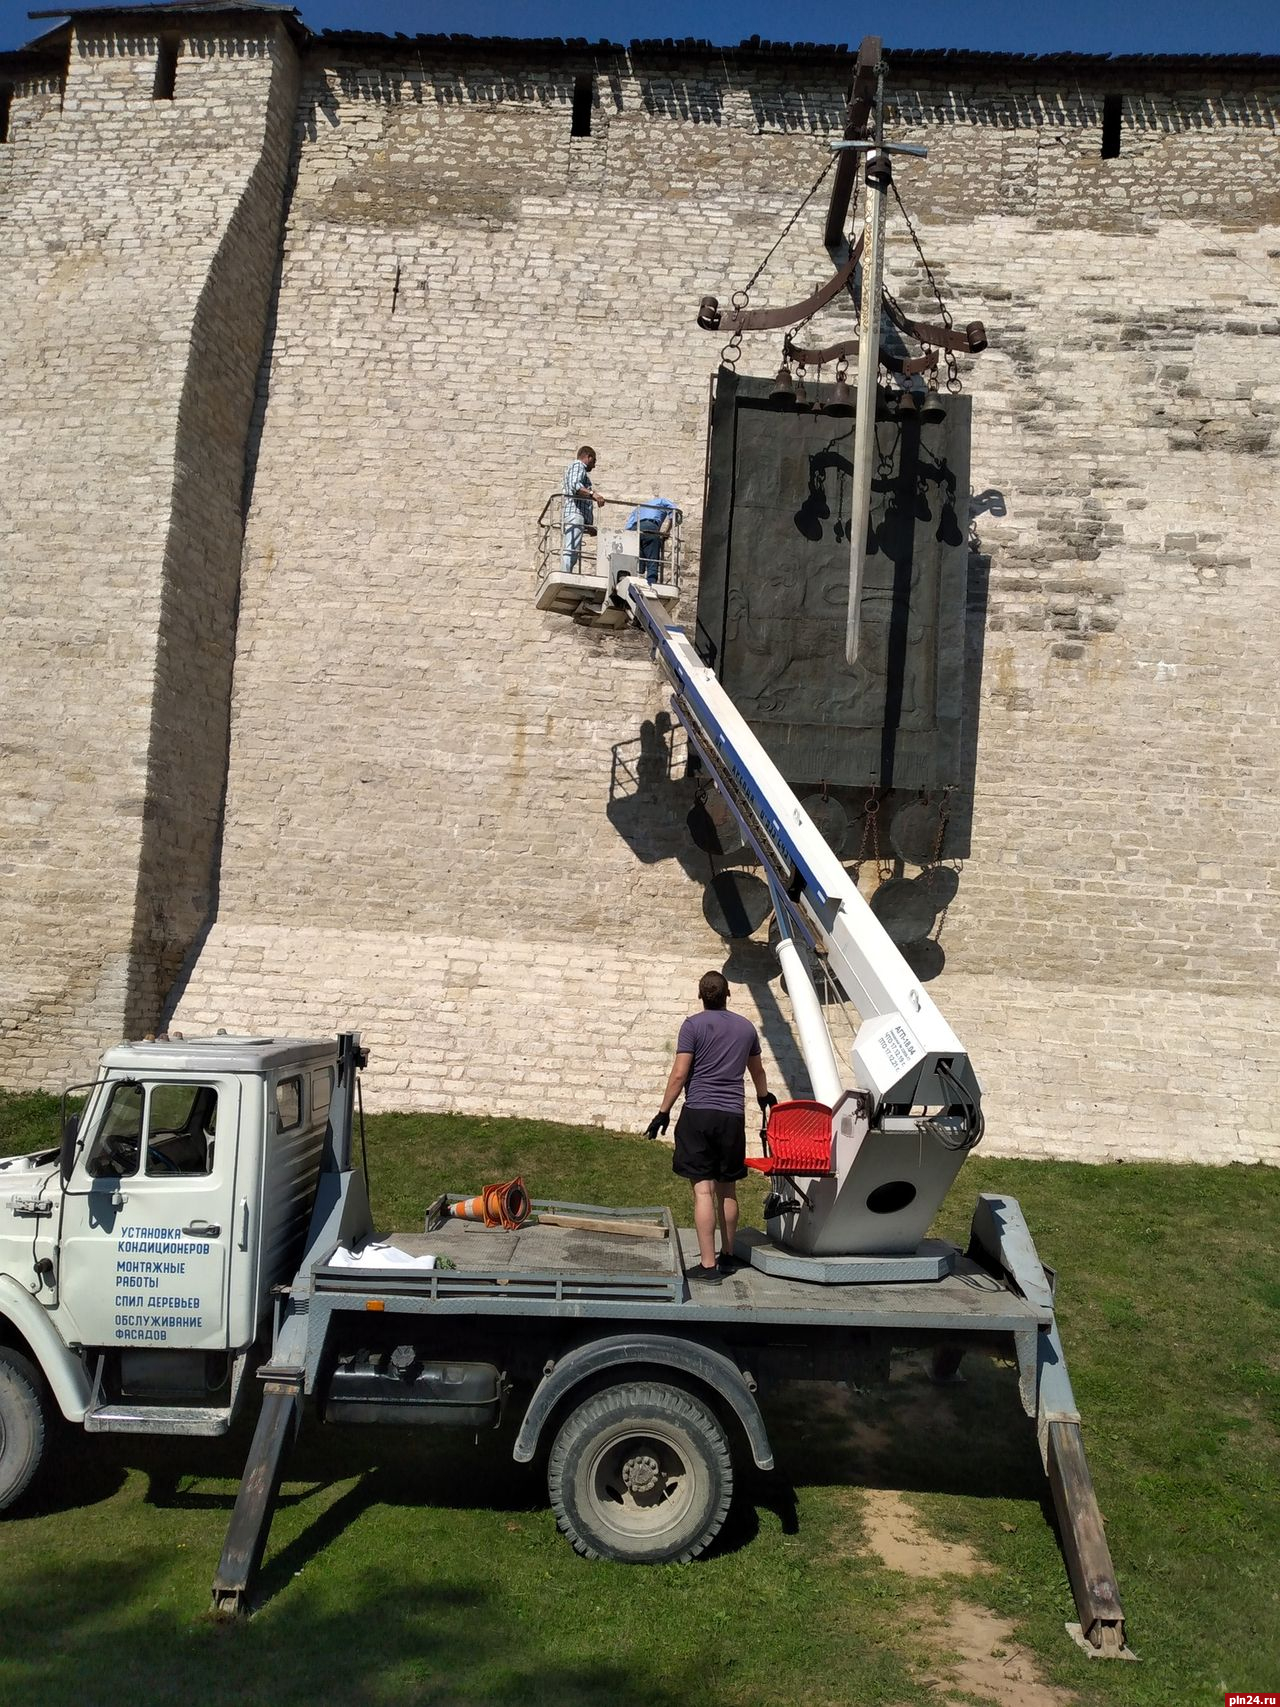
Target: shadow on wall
[(754, 965), (176, 988), (662, 812), (691, 99)]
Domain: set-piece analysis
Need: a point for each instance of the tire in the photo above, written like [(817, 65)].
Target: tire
[(641, 1473), (23, 1426)]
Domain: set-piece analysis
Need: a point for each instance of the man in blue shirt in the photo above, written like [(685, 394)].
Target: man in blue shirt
[(653, 521), (713, 1051)]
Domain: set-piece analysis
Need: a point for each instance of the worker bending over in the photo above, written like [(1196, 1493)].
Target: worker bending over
[(652, 521), (714, 1049)]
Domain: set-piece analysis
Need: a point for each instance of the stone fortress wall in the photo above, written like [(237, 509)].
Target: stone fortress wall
[(424, 778)]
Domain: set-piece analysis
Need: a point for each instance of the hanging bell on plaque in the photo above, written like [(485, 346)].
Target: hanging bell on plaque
[(841, 399)]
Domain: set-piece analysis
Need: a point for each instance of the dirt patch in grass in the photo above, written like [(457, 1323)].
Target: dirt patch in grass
[(896, 1535), (978, 1658), (964, 1654)]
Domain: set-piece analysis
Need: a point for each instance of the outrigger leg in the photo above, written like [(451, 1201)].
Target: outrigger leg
[(1000, 1240), (1084, 1543), (256, 1501)]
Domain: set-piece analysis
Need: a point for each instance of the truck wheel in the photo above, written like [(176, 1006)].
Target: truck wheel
[(22, 1425), (641, 1473)]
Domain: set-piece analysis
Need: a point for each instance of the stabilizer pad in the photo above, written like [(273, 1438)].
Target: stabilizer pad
[(932, 1259)]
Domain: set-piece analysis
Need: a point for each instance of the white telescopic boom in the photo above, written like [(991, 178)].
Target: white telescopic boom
[(905, 1053)]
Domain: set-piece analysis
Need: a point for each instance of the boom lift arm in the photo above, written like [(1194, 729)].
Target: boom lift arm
[(915, 1107)]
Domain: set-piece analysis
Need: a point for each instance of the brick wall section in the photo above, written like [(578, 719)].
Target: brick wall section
[(433, 829), (421, 837), (138, 252)]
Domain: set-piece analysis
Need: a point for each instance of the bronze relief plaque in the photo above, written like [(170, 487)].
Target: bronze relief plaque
[(773, 593)]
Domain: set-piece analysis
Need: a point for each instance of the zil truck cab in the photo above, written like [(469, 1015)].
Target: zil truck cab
[(137, 1262)]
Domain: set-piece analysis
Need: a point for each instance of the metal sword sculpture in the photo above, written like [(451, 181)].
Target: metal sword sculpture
[(863, 134)]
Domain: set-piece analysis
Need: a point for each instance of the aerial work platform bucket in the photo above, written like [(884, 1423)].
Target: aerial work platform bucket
[(588, 599), (585, 591)]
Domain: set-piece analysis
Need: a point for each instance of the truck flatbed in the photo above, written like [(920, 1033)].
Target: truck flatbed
[(539, 1270)]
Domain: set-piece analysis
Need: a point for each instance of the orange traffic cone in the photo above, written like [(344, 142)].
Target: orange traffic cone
[(469, 1208), (504, 1205)]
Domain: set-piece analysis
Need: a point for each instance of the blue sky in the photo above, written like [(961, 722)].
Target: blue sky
[(1020, 26)]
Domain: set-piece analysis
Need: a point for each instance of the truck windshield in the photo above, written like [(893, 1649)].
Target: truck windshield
[(118, 1146), (181, 1123)]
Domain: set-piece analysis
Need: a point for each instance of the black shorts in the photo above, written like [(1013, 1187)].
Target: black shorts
[(710, 1144)]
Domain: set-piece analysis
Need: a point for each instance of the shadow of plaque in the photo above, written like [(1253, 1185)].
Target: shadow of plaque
[(774, 587), (830, 819), (906, 909), (736, 903)]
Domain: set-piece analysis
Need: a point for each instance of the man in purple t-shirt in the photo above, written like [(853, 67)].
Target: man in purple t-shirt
[(713, 1051)]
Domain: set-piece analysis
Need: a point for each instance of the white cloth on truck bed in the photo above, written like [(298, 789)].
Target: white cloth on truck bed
[(378, 1256)]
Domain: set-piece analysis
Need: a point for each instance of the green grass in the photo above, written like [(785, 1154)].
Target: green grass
[(407, 1568)]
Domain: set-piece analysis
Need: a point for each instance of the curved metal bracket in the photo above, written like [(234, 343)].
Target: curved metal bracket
[(768, 319), (847, 350), (971, 338)]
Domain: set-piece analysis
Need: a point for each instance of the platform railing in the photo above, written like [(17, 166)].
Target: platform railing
[(610, 517)]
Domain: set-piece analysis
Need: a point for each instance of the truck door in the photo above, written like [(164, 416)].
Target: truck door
[(147, 1231)]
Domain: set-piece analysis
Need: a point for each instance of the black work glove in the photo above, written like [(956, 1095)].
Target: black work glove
[(767, 1101), (659, 1123)]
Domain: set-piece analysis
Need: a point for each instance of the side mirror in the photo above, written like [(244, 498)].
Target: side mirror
[(67, 1156)]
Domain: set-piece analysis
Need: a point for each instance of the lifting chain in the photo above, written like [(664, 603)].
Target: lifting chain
[(944, 313), (741, 297), (842, 367), (895, 307), (870, 838)]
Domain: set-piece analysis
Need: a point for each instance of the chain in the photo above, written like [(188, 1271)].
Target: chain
[(883, 868), (871, 835), (851, 216), (862, 845), (944, 814), (742, 296), (739, 299), (886, 454), (944, 313)]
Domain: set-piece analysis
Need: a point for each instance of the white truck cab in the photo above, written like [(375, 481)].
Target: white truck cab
[(137, 1262)]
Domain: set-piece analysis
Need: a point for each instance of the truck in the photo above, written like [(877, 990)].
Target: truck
[(202, 1234)]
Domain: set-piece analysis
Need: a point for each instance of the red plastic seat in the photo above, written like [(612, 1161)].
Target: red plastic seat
[(797, 1140)]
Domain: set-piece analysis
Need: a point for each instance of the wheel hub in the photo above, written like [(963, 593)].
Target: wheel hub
[(640, 1474)]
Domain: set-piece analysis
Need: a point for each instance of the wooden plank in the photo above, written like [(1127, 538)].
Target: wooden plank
[(256, 1498), (857, 124), (1084, 1542), (601, 1224)]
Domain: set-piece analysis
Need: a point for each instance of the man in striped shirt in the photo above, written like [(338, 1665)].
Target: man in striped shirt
[(579, 495)]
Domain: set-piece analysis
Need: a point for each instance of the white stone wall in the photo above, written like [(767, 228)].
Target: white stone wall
[(419, 832), (433, 830), (137, 251)]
